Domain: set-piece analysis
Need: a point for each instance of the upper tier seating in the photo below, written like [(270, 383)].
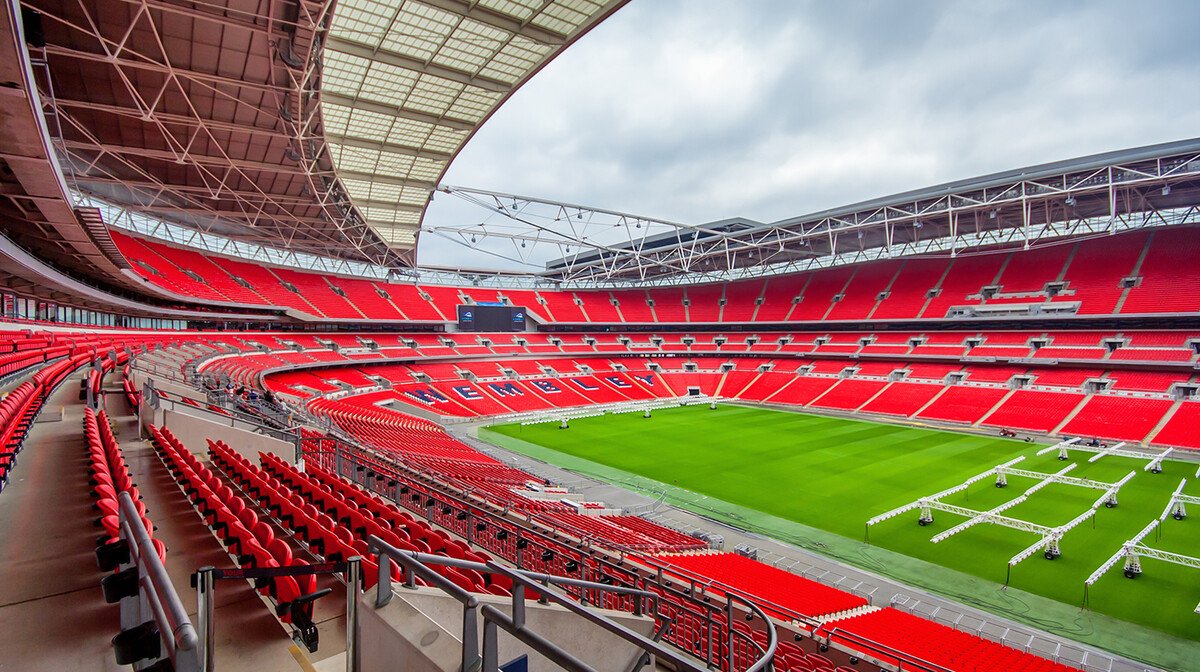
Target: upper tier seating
[(1095, 272), (1092, 271), (862, 294), (1170, 279), (822, 287)]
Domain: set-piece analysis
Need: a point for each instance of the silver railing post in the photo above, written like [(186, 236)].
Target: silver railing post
[(206, 600), (491, 661), (729, 615), (353, 581)]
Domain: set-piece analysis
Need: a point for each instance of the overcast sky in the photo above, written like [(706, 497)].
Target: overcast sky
[(698, 110)]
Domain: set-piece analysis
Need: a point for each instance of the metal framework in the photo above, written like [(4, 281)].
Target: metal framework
[(405, 83), (1154, 465), (1134, 550), (190, 112), (309, 125), (1051, 537), (1150, 186)]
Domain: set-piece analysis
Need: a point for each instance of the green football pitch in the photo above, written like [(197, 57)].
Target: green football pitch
[(833, 474)]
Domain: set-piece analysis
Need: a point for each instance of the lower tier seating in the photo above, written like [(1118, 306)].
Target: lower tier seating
[(771, 585), (1181, 429), (963, 404), (1119, 418), (1033, 410), (917, 640), (249, 540)]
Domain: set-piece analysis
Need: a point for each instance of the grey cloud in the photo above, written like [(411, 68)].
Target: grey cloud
[(696, 110)]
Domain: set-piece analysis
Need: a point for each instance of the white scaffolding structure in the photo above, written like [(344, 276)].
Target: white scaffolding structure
[(563, 416), (1051, 537), (1134, 550), (1177, 508), (1154, 465)]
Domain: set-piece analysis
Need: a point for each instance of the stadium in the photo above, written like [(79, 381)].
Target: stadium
[(247, 427)]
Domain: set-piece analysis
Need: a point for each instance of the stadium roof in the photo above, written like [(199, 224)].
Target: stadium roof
[(1145, 186), (405, 84), (319, 127)]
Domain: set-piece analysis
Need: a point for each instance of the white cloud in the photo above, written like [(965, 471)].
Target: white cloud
[(697, 110)]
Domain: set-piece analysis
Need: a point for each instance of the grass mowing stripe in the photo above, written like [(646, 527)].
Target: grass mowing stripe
[(833, 474)]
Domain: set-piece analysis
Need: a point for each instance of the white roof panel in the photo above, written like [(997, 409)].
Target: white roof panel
[(406, 82)]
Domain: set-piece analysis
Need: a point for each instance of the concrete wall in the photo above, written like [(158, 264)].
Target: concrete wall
[(410, 634), (194, 431), (139, 379), (194, 426)]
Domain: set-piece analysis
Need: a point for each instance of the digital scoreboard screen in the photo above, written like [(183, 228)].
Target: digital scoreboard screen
[(491, 317)]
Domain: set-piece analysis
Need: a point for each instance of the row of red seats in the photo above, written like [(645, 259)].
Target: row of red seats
[(600, 527), (132, 394), (664, 535), (250, 541), (109, 476), (20, 407), (337, 518), (768, 584), (16, 414), (915, 640)]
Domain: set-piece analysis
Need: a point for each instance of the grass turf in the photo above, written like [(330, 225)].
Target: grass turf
[(833, 474)]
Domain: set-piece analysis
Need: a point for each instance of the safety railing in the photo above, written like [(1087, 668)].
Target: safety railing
[(298, 609), (158, 370), (153, 618), (530, 549), (227, 415), (644, 603), (414, 568), (905, 662), (524, 547)]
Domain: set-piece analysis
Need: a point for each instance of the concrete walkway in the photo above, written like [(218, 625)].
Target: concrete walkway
[(52, 611)]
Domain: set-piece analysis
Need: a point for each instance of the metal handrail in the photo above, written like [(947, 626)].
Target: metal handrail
[(172, 402), (521, 582), (156, 588), (384, 549), (904, 661), (416, 564), (493, 617), (697, 579), (471, 662)]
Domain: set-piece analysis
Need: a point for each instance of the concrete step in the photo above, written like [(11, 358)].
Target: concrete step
[(850, 613)]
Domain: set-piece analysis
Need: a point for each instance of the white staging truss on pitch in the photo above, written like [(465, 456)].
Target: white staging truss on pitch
[(1133, 550), (563, 415), (1051, 536), (1153, 466)]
